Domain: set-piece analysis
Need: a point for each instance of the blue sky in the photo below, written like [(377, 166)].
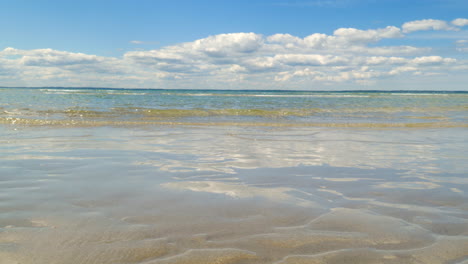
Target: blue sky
[(193, 44)]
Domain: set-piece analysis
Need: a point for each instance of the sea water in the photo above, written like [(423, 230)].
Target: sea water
[(205, 176)]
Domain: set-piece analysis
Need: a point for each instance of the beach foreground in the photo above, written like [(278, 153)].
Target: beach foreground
[(122, 176)]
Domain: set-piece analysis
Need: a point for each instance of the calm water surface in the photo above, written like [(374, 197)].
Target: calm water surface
[(181, 176)]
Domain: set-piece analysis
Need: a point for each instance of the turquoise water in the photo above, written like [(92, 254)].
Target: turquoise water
[(183, 176), (85, 106)]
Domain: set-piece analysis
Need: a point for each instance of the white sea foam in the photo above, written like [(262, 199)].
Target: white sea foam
[(271, 95)]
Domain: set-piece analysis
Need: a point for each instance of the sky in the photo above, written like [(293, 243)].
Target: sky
[(255, 44)]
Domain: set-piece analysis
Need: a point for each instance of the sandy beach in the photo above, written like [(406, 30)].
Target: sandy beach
[(218, 193)]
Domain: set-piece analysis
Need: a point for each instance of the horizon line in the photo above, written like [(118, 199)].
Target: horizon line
[(241, 90)]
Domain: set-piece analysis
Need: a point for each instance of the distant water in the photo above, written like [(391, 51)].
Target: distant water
[(95, 107), (215, 176)]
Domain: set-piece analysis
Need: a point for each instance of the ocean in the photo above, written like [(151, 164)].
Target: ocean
[(151, 176)]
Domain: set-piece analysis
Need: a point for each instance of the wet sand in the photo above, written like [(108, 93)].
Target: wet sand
[(228, 194)]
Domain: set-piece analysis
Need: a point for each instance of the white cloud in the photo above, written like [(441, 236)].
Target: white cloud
[(348, 56), (460, 22), (318, 40), (285, 76), (309, 59), (8, 51), (426, 24), (284, 39), (385, 60), (402, 69), (432, 60), (261, 64), (223, 44), (50, 57), (341, 38), (155, 56), (367, 36)]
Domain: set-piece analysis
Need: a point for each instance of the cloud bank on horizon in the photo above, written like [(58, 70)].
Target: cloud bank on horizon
[(349, 58)]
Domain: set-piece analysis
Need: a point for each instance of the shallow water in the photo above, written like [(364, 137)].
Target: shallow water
[(85, 178)]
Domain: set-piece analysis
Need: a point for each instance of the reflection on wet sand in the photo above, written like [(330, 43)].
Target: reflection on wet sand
[(252, 195), (239, 191)]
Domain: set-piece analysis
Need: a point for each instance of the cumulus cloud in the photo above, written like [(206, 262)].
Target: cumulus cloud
[(426, 24), (223, 44), (50, 57), (460, 22), (384, 60), (348, 55), (341, 38), (309, 59), (402, 69), (156, 56), (39, 67), (284, 39), (432, 60), (253, 53), (366, 36)]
